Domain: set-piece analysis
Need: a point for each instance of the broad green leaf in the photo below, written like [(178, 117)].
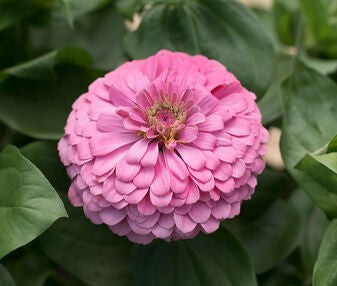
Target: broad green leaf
[(310, 105), (323, 66), (45, 156), (44, 66), (128, 8), (78, 8), (283, 275), (28, 203), (332, 147), (321, 19), (100, 32), (12, 11), (315, 224), (217, 259), (271, 237), (325, 271), (92, 253), (286, 18), (224, 30), (322, 170), (270, 104), (5, 277), (270, 185), (39, 107), (32, 269)]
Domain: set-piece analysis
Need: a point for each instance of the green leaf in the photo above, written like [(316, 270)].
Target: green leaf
[(270, 104), (90, 252), (12, 11), (128, 8), (283, 275), (315, 224), (322, 170), (45, 156), (325, 271), (332, 147), (44, 66), (286, 18), (28, 203), (224, 30), (271, 237), (309, 123), (100, 32), (217, 259), (269, 187), (321, 19), (36, 97), (5, 278), (78, 8), (31, 270)]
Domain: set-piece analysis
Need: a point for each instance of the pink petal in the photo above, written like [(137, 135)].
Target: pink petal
[(104, 164), (200, 212), (145, 207), (221, 210), (193, 194), (212, 160), (121, 229), (205, 141), (166, 221), (192, 156), (184, 223), (213, 123), (188, 134), (110, 122), (225, 187), (160, 201), (227, 154), (223, 172), (124, 188), (126, 171), (195, 119), (177, 186), (161, 232), (144, 178), (137, 151), (106, 143), (203, 175), (112, 216), (211, 225), (239, 168), (118, 98), (161, 182), (175, 164), (151, 155), (136, 196), (238, 127)]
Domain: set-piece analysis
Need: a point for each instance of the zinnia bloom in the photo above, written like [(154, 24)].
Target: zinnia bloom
[(163, 147)]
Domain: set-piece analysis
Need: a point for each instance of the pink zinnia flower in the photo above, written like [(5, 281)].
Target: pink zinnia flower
[(163, 147)]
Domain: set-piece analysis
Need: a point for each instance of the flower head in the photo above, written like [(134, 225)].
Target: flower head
[(163, 147)]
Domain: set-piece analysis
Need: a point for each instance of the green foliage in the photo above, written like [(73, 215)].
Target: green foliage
[(271, 237), (326, 264), (36, 97), (28, 203), (51, 50), (308, 95), (92, 253), (194, 27), (5, 277), (217, 259)]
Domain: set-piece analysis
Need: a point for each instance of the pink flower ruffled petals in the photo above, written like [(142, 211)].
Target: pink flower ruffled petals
[(163, 147)]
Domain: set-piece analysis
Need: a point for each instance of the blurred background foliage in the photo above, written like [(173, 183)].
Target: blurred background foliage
[(285, 51)]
